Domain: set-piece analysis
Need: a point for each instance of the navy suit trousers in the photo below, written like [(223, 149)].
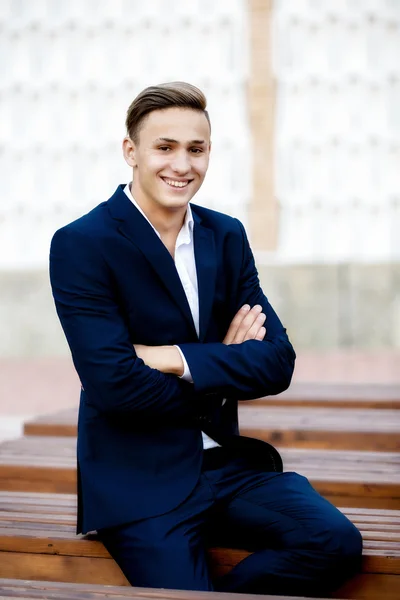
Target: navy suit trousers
[(302, 544)]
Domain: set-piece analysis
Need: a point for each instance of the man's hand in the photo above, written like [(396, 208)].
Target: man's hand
[(166, 359), (247, 324)]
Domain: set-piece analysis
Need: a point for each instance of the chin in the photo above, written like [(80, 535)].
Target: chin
[(175, 202), (172, 201)]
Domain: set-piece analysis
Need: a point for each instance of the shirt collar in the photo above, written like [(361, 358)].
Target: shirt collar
[(186, 232)]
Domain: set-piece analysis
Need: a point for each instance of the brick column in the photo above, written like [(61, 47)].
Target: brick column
[(263, 210)]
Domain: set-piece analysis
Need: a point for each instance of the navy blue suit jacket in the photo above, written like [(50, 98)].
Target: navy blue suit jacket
[(139, 432)]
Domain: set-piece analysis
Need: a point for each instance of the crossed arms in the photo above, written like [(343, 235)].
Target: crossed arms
[(115, 377), (248, 324)]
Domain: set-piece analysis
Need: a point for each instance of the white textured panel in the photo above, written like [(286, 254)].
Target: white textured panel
[(68, 72), (338, 129)]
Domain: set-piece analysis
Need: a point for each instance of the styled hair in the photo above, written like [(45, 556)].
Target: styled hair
[(158, 97)]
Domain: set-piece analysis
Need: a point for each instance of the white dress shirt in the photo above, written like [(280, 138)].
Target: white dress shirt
[(185, 264)]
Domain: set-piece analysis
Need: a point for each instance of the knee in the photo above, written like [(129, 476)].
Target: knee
[(338, 555), (348, 540), (346, 562), (340, 540), (342, 555)]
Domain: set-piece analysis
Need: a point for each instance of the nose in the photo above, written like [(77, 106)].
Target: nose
[(180, 163)]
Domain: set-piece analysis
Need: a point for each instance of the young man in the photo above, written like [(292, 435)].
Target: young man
[(168, 327)]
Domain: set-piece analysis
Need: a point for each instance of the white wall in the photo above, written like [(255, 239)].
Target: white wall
[(68, 72), (337, 64)]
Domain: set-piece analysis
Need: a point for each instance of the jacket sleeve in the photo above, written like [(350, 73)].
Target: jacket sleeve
[(251, 369), (115, 380)]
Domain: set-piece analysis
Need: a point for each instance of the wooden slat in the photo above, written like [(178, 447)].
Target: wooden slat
[(55, 505), (57, 510), (379, 555), (369, 586), (13, 588), (382, 557), (53, 567), (336, 395), (376, 430), (291, 427), (46, 533), (99, 569), (344, 477), (42, 545)]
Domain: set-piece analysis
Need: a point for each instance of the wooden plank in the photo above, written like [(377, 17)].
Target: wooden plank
[(14, 519), (373, 478), (376, 430), (39, 533), (38, 479), (64, 506), (53, 429), (71, 569), (85, 567), (367, 586), (367, 502), (373, 526), (380, 556), (52, 567), (337, 395), (63, 451), (13, 588), (324, 428), (33, 548)]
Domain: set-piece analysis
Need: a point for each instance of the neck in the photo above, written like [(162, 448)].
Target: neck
[(167, 221)]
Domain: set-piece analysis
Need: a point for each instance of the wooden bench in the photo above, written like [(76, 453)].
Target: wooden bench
[(336, 395), (325, 428), (38, 541), (329, 428), (346, 478), (29, 590)]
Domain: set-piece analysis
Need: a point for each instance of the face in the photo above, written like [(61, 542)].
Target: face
[(170, 159)]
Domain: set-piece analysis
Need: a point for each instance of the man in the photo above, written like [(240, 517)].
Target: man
[(168, 327)]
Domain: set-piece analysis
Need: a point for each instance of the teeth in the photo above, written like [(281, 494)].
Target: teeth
[(179, 184)]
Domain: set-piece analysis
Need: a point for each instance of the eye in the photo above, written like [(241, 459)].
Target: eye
[(196, 150), (164, 148)]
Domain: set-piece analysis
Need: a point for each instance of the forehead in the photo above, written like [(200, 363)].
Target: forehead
[(181, 124)]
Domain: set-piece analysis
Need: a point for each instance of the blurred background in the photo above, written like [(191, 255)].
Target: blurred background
[(304, 99)]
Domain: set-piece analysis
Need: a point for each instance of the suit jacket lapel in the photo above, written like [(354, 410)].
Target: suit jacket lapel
[(206, 266), (137, 229)]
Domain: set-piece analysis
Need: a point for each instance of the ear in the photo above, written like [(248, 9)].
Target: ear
[(129, 150)]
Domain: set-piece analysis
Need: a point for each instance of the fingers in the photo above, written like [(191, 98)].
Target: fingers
[(235, 324), (246, 325), (252, 321), (254, 330), (261, 334), (250, 325)]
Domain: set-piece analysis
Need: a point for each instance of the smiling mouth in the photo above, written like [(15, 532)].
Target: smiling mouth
[(176, 184)]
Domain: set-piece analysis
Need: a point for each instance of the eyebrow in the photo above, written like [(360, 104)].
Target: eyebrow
[(171, 141)]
